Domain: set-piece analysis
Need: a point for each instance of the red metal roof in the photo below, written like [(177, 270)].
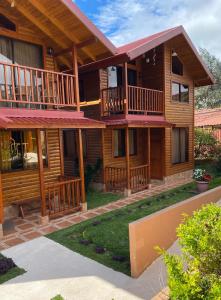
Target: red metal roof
[(28, 118), (137, 48), (208, 117)]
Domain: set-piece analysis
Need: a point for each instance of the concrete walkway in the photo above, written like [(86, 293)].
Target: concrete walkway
[(53, 269)]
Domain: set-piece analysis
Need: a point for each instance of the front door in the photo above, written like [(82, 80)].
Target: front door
[(156, 153)]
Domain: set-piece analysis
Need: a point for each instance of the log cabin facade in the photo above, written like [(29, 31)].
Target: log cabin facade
[(69, 97), (146, 96), (40, 41)]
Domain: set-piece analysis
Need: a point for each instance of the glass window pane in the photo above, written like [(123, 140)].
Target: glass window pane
[(175, 91), (29, 146), (44, 148), (184, 93), (177, 66), (119, 142), (175, 146), (132, 141)]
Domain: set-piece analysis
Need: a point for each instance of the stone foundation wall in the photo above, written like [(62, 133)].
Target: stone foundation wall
[(179, 176)]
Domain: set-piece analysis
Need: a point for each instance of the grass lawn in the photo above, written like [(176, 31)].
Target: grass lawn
[(96, 199), (108, 233), (12, 273)]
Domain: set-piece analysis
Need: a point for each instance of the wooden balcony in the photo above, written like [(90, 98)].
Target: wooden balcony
[(63, 196), (134, 100), (116, 178), (26, 87)]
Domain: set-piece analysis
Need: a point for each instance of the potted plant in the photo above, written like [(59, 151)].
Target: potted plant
[(202, 179)]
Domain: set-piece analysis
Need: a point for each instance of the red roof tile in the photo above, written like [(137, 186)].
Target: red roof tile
[(27, 118), (208, 117)]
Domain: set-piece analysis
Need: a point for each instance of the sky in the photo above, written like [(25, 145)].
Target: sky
[(124, 21)]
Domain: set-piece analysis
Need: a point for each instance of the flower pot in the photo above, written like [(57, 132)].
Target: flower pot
[(202, 186)]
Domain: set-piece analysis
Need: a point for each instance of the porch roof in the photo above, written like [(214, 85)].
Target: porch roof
[(26, 118), (188, 53), (137, 121), (60, 24)]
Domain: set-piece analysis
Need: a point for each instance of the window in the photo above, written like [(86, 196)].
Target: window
[(177, 66), (180, 92), (180, 145), (115, 76), (119, 142), (6, 23), (133, 141), (19, 149)]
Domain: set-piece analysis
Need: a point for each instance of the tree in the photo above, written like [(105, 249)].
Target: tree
[(196, 273), (210, 96)]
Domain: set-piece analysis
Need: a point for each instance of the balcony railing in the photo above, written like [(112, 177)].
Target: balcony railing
[(22, 86), (140, 101), (116, 178)]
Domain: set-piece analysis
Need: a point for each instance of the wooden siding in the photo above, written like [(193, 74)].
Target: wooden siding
[(25, 184), (180, 114), (135, 160)]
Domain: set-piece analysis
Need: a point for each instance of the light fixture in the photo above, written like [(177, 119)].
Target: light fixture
[(174, 53), (13, 3), (50, 51), (147, 60)]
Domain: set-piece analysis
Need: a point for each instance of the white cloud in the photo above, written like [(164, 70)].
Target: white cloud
[(126, 20)]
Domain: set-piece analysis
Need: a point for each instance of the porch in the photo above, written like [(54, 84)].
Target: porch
[(137, 157)]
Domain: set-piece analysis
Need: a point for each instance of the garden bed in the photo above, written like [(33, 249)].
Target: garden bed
[(106, 238), (8, 269)]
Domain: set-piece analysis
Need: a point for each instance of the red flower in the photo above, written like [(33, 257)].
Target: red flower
[(207, 177)]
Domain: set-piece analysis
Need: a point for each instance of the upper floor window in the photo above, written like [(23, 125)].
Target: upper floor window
[(177, 66), (180, 145), (115, 76), (19, 149), (6, 23), (180, 92)]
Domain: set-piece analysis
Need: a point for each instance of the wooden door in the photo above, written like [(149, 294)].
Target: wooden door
[(156, 153)]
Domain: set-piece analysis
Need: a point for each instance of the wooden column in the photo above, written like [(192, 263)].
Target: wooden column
[(125, 80), (41, 175), (127, 159), (148, 152), (81, 166), (61, 146), (75, 72)]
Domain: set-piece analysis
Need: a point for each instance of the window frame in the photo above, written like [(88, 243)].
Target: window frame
[(113, 143), (36, 167), (187, 144), (180, 94)]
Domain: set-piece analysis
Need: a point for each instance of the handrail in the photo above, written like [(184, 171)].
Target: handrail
[(22, 86)]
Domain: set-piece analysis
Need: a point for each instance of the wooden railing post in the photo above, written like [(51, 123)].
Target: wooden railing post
[(128, 191), (148, 147), (1, 208), (44, 217), (75, 71), (125, 77), (81, 168)]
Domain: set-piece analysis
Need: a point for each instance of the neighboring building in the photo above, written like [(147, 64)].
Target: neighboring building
[(39, 106), (210, 120), (147, 103)]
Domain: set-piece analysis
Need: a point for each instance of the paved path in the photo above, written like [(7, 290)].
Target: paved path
[(53, 269), (29, 228)]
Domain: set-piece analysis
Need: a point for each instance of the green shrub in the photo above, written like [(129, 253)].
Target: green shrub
[(205, 145), (91, 172), (196, 273)]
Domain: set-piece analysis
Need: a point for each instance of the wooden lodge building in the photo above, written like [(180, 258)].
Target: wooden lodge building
[(69, 97)]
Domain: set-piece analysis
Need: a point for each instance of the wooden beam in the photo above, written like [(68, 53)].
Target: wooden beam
[(127, 157), (1, 202), (61, 149), (125, 76), (41, 27), (41, 174), (75, 72), (79, 46), (81, 163), (43, 10)]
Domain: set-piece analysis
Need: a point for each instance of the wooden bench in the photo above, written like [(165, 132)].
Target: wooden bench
[(24, 202)]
